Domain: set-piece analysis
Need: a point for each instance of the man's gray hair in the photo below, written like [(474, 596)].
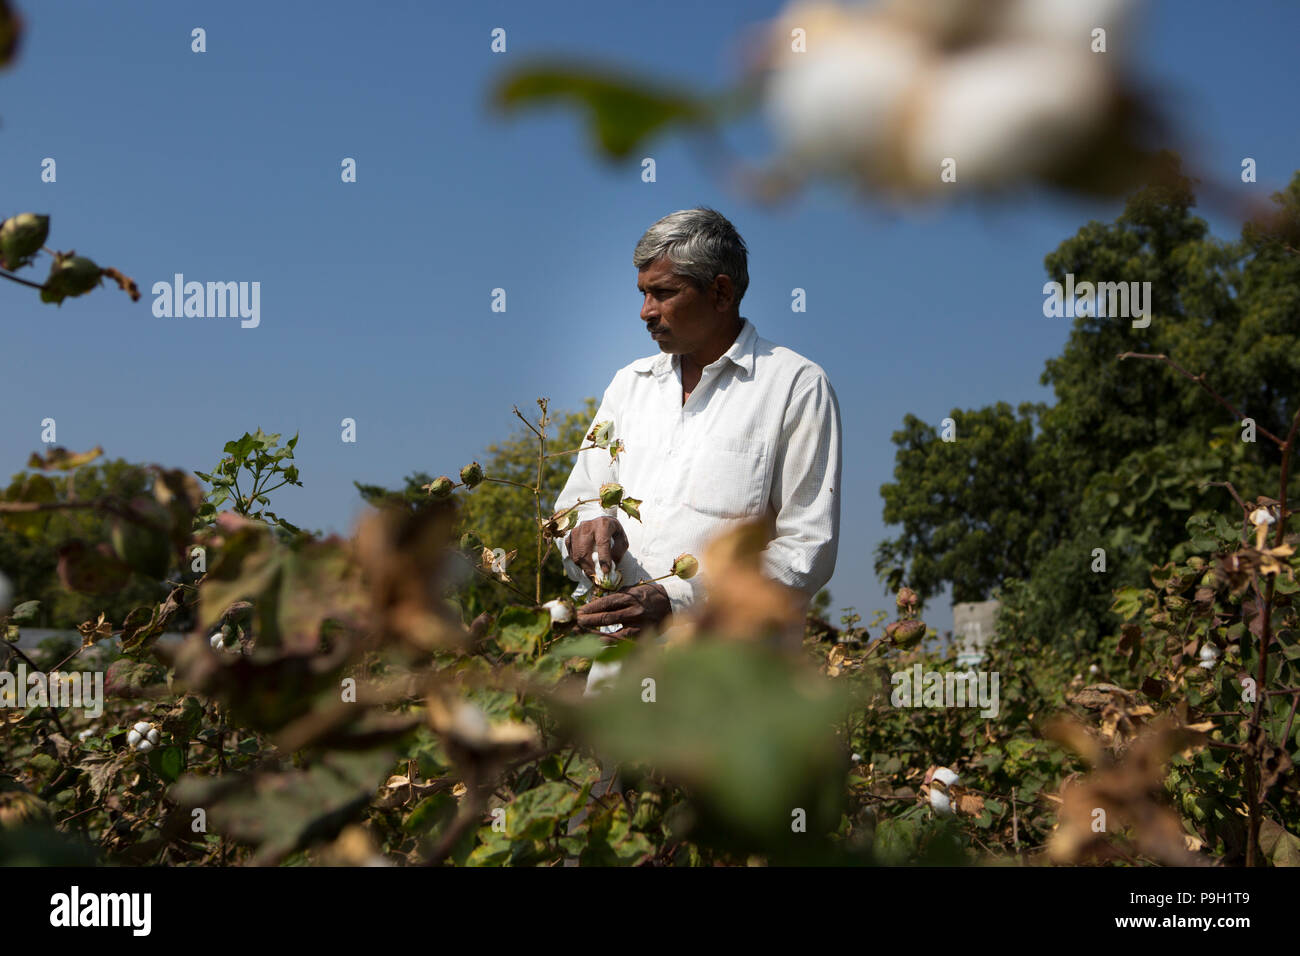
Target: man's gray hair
[(701, 244)]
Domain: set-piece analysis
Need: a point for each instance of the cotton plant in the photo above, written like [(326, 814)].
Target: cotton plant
[(493, 561)]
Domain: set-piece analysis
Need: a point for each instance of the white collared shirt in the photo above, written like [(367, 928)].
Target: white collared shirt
[(760, 434)]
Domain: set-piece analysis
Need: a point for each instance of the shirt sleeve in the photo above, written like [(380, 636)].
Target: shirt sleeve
[(806, 491), (591, 469)]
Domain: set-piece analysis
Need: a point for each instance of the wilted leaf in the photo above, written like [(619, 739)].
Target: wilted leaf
[(91, 570), (278, 812), (1280, 846), (60, 459)]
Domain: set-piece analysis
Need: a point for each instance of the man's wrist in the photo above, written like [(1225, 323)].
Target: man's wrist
[(681, 594)]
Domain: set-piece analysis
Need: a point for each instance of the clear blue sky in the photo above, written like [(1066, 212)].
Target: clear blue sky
[(375, 296)]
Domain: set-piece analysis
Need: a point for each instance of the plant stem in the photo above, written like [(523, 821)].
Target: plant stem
[(537, 495)]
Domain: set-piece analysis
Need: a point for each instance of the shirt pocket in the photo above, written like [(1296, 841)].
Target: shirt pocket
[(729, 476)]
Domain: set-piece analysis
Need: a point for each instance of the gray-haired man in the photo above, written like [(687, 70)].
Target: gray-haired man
[(720, 427)]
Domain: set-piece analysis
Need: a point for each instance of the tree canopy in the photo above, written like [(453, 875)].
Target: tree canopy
[(1121, 459)]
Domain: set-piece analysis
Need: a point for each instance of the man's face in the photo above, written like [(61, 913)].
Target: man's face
[(680, 317)]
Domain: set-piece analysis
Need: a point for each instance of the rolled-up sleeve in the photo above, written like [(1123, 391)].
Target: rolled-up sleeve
[(806, 490)]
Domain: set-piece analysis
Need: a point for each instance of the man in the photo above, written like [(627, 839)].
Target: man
[(721, 427)]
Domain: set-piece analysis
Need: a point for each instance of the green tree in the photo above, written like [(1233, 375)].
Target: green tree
[(500, 514), (1122, 458)]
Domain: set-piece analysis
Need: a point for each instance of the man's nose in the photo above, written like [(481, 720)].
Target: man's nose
[(648, 313)]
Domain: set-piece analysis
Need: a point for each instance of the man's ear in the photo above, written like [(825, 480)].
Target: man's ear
[(722, 293)]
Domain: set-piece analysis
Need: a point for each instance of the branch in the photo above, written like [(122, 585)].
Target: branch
[(1200, 380)]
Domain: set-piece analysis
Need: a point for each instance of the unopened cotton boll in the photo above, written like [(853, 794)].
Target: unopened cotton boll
[(1005, 114)]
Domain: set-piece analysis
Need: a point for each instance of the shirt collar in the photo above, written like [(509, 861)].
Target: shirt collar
[(740, 354)]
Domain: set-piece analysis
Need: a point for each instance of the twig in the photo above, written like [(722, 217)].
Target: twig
[(15, 649), (1015, 823), (519, 415), (26, 282), (507, 481), (561, 454), (1200, 380)]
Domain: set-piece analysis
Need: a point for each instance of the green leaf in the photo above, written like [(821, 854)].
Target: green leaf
[(521, 629), (580, 645), (622, 112), (1128, 601), (748, 732), (613, 842), (533, 814), (435, 810), (25, 611), (493, 851), (167, 763)]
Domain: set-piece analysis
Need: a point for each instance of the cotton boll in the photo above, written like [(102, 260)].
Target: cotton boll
[(1066, 22), (1006, 114), (143, 747), (153, 737), (940, 22), (218, 641), (471, 724), (939, 800), (133, 738), (945, 776), (1209, 655), (1261, 516), (837, 108), (561, 611), (143, 727)]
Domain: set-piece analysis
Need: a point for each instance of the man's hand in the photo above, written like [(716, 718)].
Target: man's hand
[(602, 536), (635, 608)]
